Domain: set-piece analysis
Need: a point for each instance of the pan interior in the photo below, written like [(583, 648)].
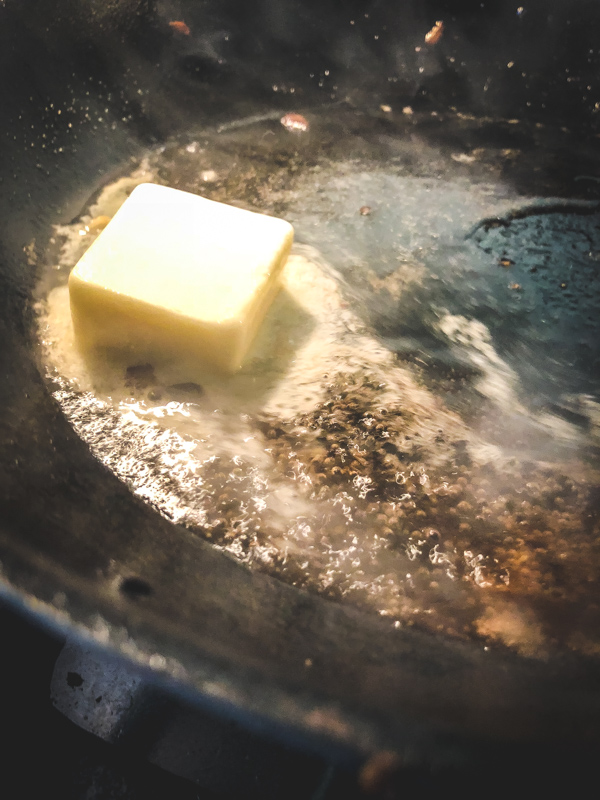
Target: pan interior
[(416, 431)]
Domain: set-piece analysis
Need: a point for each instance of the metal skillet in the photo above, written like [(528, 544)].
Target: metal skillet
[(79, 552)]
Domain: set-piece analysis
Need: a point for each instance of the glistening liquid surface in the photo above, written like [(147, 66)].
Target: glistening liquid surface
[(416, 428)]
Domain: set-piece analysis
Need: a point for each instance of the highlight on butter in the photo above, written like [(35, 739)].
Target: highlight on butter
[(176, 273)]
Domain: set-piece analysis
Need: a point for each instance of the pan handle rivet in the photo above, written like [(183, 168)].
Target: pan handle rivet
[(134, 588)]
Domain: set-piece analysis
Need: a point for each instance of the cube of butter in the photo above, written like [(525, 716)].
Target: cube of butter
[(175, 274)]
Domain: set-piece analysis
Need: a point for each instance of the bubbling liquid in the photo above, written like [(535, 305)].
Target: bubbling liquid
[(327, 463)]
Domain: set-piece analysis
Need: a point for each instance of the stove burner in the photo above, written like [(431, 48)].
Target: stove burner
[(72, 762), (112, 700)]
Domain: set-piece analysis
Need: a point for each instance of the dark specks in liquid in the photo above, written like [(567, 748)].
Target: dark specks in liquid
[(140, 376), (188, 388), (453, 486)]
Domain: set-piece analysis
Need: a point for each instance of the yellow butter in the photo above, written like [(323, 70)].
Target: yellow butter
[(178, 274)]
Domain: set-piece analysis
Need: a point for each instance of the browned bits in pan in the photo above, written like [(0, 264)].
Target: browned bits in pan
[(140, 376), (180, 27), (435, 34), (187, 389), (295, 122), (98, 224), (377, 773)]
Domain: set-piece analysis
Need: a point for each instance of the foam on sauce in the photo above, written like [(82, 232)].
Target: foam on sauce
[(325, 462)]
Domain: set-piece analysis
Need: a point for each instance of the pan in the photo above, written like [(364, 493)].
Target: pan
[(89, 90)]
